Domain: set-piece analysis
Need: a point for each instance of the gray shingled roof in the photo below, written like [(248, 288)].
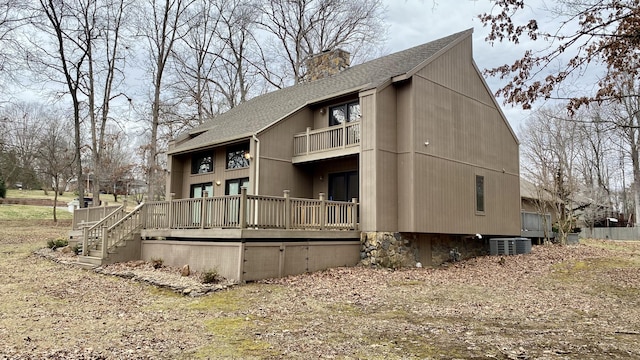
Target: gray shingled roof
[(258, 113)]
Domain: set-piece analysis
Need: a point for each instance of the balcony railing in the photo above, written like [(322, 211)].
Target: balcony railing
[(330, 138), (252, 212)]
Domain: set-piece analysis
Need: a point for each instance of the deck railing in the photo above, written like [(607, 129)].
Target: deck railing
[(91, 215), (93, 234), (252, 212), (333, 137), (122, 229)]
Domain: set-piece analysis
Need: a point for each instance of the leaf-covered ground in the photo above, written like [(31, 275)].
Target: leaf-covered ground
[(575, 302)]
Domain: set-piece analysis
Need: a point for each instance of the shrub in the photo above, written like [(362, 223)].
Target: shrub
[(210, 277), (3, 189), (57, 243), (157, 263)]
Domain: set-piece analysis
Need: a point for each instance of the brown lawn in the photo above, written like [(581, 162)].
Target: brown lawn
[(576, 302)]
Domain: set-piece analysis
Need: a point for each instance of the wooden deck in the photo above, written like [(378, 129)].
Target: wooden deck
[(245, 237)]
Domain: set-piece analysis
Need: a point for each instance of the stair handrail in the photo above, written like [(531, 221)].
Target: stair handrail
[(95, 231), (111, 238)]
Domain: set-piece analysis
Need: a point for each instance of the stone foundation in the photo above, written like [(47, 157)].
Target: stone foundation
[(396, 250), (387, 249)]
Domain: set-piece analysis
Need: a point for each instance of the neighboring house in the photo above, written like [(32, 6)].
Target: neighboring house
[(538, 211), (415, 138)]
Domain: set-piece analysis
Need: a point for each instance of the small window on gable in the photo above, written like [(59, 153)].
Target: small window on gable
[(238, 156), (202, 163), (479, 194), (348, 112)]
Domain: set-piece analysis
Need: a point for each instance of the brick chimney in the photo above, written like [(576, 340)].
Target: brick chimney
[(326, 64)]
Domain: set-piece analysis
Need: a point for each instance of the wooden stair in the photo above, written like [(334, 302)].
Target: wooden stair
[(120, 232)]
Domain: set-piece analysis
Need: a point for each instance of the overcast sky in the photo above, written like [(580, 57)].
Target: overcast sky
[(415, 22)]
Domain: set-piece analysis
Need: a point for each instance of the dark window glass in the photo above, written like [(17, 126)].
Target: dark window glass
[(202, 163), (346, 112), (479, 193), (237, 156)]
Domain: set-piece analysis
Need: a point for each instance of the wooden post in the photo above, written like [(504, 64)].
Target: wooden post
[(104, 242), (202, 208), (85, 242), (243, 208), (287, 210), (323, 211), (344, 133), (307, 140), (170, 211), (354, 213)]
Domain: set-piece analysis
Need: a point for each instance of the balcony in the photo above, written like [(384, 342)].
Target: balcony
[(325, 143)]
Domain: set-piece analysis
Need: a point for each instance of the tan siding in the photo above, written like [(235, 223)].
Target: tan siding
[(459, 133), (386, 160), (276, 150), (379, 178), (176, 176), (455, 71), (446, 198), (220, 173), (368, 210), (405, 168)]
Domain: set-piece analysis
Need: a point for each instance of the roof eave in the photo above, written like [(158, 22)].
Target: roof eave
[(196, 148)]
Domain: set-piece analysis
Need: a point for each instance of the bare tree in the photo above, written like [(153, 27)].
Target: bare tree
[(102, 27), (13, 15), (55, 155), (550, 152), (60, 24), (87, 34), (25, 122), (301, 28), (195, 61), (116, 162), (584, 33), (627, 122), (161, 24)]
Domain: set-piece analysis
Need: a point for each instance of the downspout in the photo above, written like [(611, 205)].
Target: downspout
[(257, 159)]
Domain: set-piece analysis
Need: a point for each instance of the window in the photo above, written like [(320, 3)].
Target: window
[(238, 156), (479, 194), (348, 112), (198, 190), (233, 186), (202, 163)]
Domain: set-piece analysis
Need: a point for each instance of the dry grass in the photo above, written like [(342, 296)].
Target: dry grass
[(558, 302)]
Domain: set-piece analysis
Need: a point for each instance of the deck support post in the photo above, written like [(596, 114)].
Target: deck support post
[(287, 210), (307, 140), (323, 211), (243, 208)]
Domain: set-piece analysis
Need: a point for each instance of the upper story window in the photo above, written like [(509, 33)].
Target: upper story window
[(479, 194), (348, 112), (238, 156), (202, 163)]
